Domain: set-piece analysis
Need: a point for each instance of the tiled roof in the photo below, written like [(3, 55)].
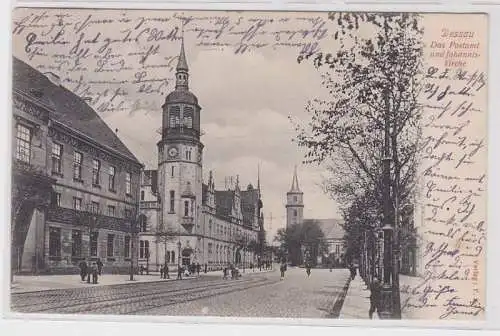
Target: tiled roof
[(331, 227), (69, 109)]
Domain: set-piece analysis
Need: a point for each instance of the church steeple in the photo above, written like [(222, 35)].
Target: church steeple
[(294, 202), (182, 70), (295, 181)]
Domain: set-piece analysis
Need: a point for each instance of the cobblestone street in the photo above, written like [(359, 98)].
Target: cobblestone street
[(255, 295)]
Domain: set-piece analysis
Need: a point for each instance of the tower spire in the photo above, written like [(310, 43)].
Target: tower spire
[(182, 70), (295, 181)]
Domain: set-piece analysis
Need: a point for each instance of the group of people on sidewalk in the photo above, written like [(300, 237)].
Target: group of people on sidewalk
[(91, 269), (235, 272)]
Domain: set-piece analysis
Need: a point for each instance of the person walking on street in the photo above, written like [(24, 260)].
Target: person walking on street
[(353, 271), (161, 272), (308, 269), (198, 268), (99, 266), (95, 273), (374, 297), (83, 270), (206, 266), (165, 271), (283, 270), (179, 273)]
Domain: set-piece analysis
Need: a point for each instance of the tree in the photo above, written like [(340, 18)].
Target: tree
[(374, 80), (306, 236)]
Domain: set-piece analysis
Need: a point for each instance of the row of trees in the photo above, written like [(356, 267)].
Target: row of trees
[(299, 240), (370, 118)]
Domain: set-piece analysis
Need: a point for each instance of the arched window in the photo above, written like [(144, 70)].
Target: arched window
[(172, 255), (172, 201), (167, 257), (186, 208), (143, 222), (142, 195)]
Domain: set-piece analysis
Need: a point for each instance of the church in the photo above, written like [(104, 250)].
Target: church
[(331, 227), (183, 219)]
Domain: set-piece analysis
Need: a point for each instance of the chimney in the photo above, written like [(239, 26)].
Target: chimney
[(53, 78)]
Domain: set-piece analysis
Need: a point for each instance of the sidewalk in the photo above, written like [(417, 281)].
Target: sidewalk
[(357, 301), (35, 283)]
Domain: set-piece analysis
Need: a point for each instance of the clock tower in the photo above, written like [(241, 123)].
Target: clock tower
[(180, 168)]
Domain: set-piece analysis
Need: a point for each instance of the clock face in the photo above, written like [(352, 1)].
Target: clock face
[(172, 152)]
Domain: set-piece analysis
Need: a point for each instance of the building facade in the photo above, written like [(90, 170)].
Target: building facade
[(75, 184), (184, 220)]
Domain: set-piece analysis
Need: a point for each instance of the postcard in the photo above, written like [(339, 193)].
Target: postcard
[(281, 164)]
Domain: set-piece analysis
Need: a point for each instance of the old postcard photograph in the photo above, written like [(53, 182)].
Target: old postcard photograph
[(280, 164)]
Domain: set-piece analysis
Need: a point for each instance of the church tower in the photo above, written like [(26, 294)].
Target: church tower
[(294, 202), (180, 167)]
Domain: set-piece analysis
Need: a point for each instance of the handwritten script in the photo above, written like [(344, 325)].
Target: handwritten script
[(453, 181), (120, 61)]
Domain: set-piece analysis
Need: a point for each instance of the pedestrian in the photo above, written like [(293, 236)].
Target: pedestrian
[(374, 297), (308, 269), (206, 266), (353, 271), (224, 272), (95, 272), (99, 266), (141, 269), (282, 270), (179, 273), (161, 272), (165, 271), (198, 268), (83, 269)]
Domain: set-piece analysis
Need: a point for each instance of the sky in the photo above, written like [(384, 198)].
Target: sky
[(246, 99)]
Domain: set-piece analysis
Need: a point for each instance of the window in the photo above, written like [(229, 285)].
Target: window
[(95, 207), (23, 143), (96, 172), (186, 208), (128, 213), (188, 117), (167, 257), (188, 154), (295, 213), (173, 171), (128, 185), (173, 257), (111, 241), (93, 243), (142, 195), (175, 112), (143, 249), (337, 249), (54, 242), (77, 165), (112, 173), (111, 210), (209, 248), (295, 199), (172, 201), (77, 203), (76, 243), (126, 250), (56, 199), (57, 158)]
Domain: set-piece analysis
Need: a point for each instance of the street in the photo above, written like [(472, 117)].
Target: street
[(254, 295)]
